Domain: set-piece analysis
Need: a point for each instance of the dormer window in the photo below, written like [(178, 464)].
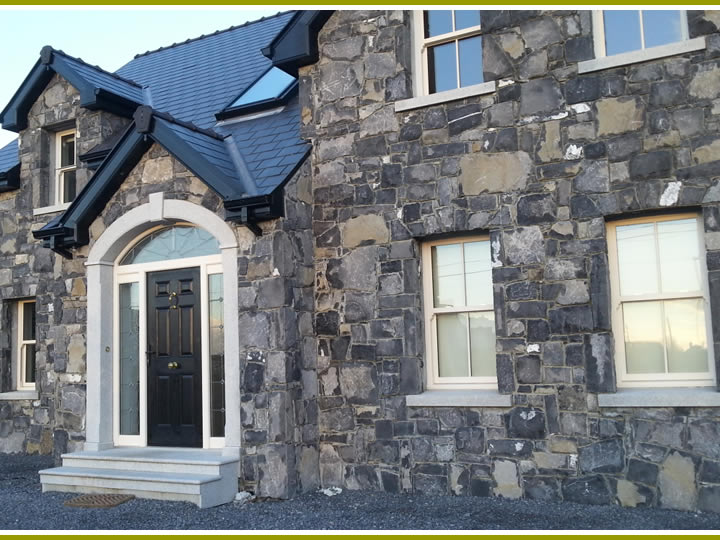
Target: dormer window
[(65, 167), (272, 89)]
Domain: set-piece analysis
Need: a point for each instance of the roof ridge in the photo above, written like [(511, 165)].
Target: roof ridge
[(98, 68), (216, 32), (189, 125)]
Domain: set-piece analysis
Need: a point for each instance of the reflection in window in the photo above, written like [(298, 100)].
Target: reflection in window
[(274, 83), (633, 30), (172, 243), (26, 345), (452, 47), (129, 359), (217, 356)]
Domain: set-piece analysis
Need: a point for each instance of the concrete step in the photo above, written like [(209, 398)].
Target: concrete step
[(202, 489), (171, 460)]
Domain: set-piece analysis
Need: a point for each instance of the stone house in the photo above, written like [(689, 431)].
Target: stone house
[(445, 252)]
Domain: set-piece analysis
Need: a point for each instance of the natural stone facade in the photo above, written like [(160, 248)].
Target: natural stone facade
[(538, 165), (330, 296)]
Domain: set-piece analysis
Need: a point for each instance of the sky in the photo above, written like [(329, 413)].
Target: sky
[(107, 37)]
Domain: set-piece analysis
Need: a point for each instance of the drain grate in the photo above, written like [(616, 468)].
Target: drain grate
[(98, 501)]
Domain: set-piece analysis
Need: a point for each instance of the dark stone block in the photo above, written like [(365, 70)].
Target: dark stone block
[(536, 208), (710, 472), (494, 19), (579, 49), (506, 140), (410, 376), (526, 423), (537, 330), (470, 440), (430, 485), (404, 429), (651, 165), (643, 472), (443, 150), (541, 488), (582, 89), (371, 146), (362, 352), (391, 175), (427, 426), (410, 132), (390, 481), (253, 437), (595, 150), (586, 490), (606, 456), (583, 207), (384, 451), (525, 310), (253, 377), (480, 487), (659, 121), (551, 412), (327, 323), (709, 499), (600, 291), (505, 373), (510, 92), (667, 93), (571, 320), (509, 447), (540, 97), (528, 369), (435, 118), (339, 347)]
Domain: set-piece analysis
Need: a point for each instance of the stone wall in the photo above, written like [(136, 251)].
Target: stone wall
[(55, 421), (538, 165)]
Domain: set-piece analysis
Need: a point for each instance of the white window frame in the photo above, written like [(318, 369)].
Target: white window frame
[(421, 81), (59, 170), (434, 381), (649, 380), (22, 345), (137, 273), (603, 61)]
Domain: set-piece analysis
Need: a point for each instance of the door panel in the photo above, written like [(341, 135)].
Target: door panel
[(174, 358)]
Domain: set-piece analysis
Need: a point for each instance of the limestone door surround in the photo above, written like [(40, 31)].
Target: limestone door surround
[(100, 282)]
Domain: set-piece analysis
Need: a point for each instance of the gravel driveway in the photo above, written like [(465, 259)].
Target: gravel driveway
[(25, 507)]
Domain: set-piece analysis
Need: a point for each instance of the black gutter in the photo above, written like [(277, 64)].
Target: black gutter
[(296, 45)]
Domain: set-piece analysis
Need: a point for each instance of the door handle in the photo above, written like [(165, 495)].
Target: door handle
[(173, 365)]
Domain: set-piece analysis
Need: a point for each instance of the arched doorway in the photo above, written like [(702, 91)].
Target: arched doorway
[(158, 362)]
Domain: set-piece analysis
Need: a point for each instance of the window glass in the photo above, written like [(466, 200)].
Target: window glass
[(438, 22), (644, 338), (28, 326), (129, 327), (452, 338), (471, 66), (69, 183), (30, 367), (172, 243), (686, 336), (478, 273), (679, 256), (442, 67), (661, 27), (448, 279), (482, 344), (270, 86), (466, 18), (67, 150), (637, 260), (622, 31), (217, 356)]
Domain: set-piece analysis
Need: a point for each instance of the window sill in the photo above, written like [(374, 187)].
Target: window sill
[(51, 209), (443, 97), (17, 395), (632, 57), (459, 398), (665, 397)]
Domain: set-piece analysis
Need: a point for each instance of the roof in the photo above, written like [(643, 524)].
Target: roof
[(9, 156), (217, 67), (181, 89)]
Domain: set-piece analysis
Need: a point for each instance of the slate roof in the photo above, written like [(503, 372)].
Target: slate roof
[(195, 79), (187, 83), (9, 156)]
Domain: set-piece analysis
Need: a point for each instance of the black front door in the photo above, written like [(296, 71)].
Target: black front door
[(174, 358)]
